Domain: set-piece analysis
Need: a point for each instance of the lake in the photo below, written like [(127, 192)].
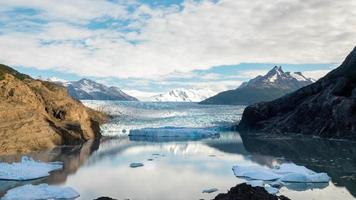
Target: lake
[(180, 169)]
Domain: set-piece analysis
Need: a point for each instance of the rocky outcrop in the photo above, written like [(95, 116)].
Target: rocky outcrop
[(247, 192), (326, 108), (36, 114)]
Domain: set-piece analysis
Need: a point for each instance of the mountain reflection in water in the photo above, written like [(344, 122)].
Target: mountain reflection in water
[(200, 164), (335, 157)]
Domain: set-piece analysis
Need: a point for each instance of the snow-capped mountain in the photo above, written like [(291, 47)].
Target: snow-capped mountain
[(273, 85), (183, 95), (276, 77), (86, 89)]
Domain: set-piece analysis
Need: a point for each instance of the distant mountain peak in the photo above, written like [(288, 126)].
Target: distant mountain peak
[(276, 77), (275, 83), (183, 95), (87, 89)]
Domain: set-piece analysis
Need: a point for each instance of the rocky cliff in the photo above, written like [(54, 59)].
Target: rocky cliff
[(36, 114), (326, 108)]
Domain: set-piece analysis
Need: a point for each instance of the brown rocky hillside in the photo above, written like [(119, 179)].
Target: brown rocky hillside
[(36, 114)]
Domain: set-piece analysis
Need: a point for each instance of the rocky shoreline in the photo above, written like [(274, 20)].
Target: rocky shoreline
[(36, 115)]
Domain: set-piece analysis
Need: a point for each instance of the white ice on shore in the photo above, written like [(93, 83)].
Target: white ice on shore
[(280, 175), (42, 191), (27, 169), (174, 132)]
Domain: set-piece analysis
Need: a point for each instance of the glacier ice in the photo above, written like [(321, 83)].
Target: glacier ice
[(27, 169), (42, 191), (174, 132), (281, 175)]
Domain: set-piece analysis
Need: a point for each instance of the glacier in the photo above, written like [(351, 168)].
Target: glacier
[(42, 191), (27, 169), (280, 175)]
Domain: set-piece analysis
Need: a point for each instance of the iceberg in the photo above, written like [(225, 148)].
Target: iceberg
[(255, 172), (174, 132), (281, 175), (42, 191), (27, 169)]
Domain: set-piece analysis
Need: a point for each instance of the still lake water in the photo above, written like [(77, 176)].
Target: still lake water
[(180, 170)]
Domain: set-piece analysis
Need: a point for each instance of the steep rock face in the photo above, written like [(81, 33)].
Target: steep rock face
[(326, 108), (274, 84), (37, 114)]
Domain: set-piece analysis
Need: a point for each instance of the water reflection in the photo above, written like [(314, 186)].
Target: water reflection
[(73, 157), (182, 169), (336, 158)]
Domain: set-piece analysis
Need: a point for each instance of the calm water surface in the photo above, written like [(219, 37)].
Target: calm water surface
[(180, 170)]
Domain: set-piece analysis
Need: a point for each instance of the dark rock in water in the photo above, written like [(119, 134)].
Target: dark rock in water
[(326, 108), (105, 198), (247, 192)]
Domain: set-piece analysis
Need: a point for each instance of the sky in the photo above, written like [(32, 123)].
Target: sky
[(152, 46)]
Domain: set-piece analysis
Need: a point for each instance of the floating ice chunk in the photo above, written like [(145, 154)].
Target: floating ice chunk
[(27, 169), (42, 191), (306, 178), (174, 132), (295, 173), (211, 190), (255, 183), (285, 172), (255, 172), (134, 165), (287, 168), (271, 189)]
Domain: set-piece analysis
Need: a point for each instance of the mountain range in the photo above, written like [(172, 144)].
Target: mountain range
[(86, 89), (274, 84), (183, 95)]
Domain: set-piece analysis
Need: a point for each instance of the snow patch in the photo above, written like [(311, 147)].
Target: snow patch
[(42, 191), (27, 169)]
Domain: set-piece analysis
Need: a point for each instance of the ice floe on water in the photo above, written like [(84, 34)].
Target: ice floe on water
[(173, 132), (135, 165), (27, 169), (42, 191), (210, 190), (286, 174)]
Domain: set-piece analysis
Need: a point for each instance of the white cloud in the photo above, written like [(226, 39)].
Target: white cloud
[(202, 35)]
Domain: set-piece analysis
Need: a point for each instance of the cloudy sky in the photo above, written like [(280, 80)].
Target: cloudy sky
[(156, 45)]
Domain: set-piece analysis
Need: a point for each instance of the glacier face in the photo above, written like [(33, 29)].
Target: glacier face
[(138, 115)]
